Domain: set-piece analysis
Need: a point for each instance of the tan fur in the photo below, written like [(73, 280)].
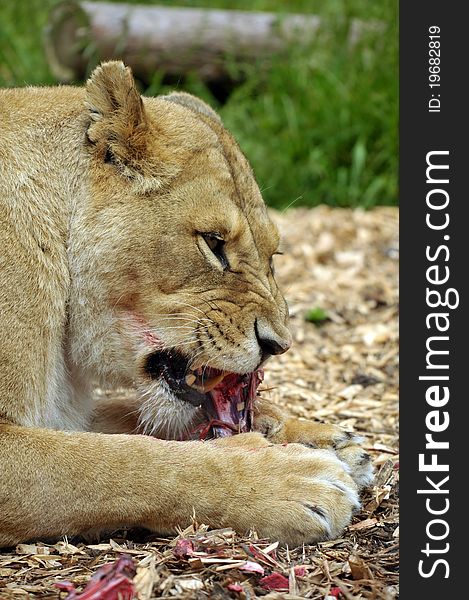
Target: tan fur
[(103, 195)]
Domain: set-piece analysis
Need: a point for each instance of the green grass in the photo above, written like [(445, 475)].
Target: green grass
[(317, 316), (319, 126)]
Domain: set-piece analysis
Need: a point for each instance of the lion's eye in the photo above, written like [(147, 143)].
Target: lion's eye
[(217, 246)]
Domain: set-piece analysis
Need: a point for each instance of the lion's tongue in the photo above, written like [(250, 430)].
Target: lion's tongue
[(233, 400)]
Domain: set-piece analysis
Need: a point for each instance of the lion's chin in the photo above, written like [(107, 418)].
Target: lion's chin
[(180, 403), (163, 414)]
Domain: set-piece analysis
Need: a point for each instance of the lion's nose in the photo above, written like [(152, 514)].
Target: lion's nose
[(270, 342)]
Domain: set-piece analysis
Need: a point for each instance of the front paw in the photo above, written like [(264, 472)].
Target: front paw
[(345, 444), (358, 460), (287, 492)]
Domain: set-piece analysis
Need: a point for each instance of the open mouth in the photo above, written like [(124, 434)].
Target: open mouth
[(226, 399)]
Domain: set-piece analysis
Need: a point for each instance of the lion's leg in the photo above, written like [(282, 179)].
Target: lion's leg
[(61, 483), (280, 429)]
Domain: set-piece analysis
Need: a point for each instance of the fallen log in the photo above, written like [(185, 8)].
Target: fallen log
[(173, 40)]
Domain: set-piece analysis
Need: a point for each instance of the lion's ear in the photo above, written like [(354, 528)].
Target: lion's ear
[(118, 122), (193, 103)]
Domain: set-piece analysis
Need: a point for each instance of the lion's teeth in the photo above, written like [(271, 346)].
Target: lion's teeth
[(207, 385), (211, 383), (190, 378)]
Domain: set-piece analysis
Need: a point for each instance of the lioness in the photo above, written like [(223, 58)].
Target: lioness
[(136, 250)]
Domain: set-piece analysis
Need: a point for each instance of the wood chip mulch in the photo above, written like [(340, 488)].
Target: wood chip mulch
[(343, 368)]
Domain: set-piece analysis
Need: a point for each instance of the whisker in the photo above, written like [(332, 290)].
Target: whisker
[(181, 314), (180, 345), (292, 203), (174, 318), (170, 328), (186, 304), (118, 300)]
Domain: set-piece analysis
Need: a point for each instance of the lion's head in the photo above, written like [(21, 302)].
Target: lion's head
[(173, 250)]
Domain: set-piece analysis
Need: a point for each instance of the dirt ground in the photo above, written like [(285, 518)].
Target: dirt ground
[(343, 368)]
